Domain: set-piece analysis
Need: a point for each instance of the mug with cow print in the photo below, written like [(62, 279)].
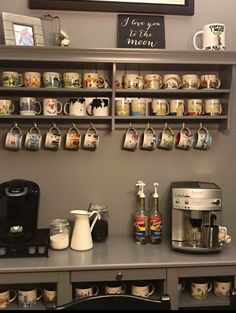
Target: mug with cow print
[(99, 107)]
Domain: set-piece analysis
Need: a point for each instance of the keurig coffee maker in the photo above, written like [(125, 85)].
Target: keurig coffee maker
[(19, 235)]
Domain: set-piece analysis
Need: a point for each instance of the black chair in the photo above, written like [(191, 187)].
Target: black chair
[(116, 302)]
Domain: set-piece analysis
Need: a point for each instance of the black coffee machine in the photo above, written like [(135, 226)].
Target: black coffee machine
[(19, 235)]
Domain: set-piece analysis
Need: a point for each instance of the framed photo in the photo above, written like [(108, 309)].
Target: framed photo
[(174, 7), (22, 30)]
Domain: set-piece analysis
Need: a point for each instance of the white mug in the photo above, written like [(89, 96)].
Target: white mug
[(6, 107), (33, 139), (160, 107), (115, 288), (29, 106), (29, 297), (98, 107), (132, 81), (52, 80), (171, 81), (213, 37), (75, 107), (184, 139), (32, 79), (202, 139), (91, 139), (51, 106), (13, 138), (94, 81), (148, 139), (131, 139), (53, 138), (142, 289), (212, 107), (6, 297), (152, 81), (85, 291), (72, 80), (222, 287), (72, 138), (166, 138)]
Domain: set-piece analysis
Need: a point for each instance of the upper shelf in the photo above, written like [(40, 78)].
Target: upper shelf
[(115, 55)]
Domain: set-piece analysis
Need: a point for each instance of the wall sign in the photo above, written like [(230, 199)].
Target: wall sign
[(175, 7), (141, 31)]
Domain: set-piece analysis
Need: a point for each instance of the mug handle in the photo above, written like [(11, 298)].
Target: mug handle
[(12, 108), (96, 290), (151, 286), (123, 288), (209, 286), (218, 83), (14, 295), (60, 107), (89, 109), (220, 109), (65, 108), (40, 108), (168, 108), (194, 40), (101, 82), (40, 290)]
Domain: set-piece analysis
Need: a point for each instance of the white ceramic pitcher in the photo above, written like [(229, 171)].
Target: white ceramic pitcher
[(81, 237)]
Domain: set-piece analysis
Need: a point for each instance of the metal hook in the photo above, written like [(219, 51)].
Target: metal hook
[(15, 124)]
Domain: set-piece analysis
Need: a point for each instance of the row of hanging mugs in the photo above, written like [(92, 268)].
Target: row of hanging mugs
[(166, 140), (33, 138)]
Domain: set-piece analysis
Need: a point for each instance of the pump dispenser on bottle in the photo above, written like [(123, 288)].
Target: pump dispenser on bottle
[(155, 220), (141, 218)]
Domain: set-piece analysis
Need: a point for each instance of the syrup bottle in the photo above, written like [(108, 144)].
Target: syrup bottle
[(141, 218), (155, 219)]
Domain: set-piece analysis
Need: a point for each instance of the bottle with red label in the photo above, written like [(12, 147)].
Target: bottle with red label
[(155, 219), (141, 218)]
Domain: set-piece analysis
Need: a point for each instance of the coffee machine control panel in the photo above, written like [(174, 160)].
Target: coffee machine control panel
[(199, 199)]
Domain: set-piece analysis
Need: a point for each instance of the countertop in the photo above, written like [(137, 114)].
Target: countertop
[(118, 253)]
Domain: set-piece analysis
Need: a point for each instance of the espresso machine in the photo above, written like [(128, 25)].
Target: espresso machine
[(19, 235), (196, 214)]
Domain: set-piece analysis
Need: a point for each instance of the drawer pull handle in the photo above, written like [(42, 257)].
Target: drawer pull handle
[(119, 276)]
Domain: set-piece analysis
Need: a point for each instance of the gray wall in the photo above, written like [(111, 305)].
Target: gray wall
[(71, 180)]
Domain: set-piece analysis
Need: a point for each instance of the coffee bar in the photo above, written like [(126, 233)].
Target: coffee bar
[(117, 157)]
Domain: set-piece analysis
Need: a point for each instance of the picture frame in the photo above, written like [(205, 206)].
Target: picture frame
[(173, 7), (21, 30)]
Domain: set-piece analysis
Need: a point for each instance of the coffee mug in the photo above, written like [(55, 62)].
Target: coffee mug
[(29, 106), (166, 138), (160, 107), (152, 81), (113, 288), (222, 287), (171, 81), (132, 81), (6, 297), (210, 81), (190, 81), (49, 296), (85, 291), (131, 139), (142, 289), (6, 107), (184, 139), (52, 80), (138, 107), (122, 107), (148, 139), (94, 81), (195, 107), (91, 138), (72, 138), (202, 139), (75, 107), (29, 297), (51, 106), (213, 37), (32, 79), (53, 138), (177, 107), (200, 289), (212, 107), (11, 79), (13, 138), (71, 80), (224, 238), (33, 138), (98, 107)]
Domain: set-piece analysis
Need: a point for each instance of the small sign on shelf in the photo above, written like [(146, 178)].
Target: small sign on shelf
[(141, 31)]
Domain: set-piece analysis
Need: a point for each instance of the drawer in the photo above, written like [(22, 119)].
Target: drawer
[(118, 274)]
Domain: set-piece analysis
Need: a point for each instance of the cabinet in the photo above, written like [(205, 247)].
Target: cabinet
[(112, 63)]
